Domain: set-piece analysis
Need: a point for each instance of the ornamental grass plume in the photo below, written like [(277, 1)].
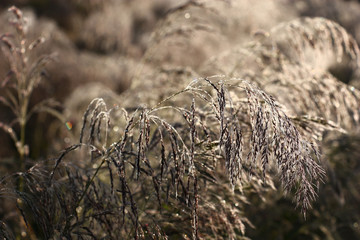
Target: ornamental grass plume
[(184, 160)]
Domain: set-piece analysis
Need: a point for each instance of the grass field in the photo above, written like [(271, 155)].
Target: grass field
[(179, 119)]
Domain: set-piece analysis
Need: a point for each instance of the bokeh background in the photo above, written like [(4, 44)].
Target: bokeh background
[(130, 51)]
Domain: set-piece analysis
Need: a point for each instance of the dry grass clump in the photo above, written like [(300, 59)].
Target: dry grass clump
[(197, 30), (248, 132), (183, 153), (346, 13), (335, 213), (294, 63)]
